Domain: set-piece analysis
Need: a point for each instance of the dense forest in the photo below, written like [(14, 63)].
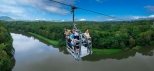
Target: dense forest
[(6, 49), (105, 35)]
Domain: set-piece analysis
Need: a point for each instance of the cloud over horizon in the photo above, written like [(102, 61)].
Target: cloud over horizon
[(82, 19), (23, 8), (48, 5), (140, 17), (48, 10)]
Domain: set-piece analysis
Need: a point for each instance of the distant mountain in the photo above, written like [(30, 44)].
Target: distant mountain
[(6, 18)]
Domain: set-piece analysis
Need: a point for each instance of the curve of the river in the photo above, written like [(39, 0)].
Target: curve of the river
[(34, 54)]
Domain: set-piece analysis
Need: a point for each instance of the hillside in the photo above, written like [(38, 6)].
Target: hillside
[(6, 18)]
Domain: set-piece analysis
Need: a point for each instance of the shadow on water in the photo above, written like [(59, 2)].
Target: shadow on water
[(146, 51)]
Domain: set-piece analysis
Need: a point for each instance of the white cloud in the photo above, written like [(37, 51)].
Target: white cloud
[(63, 20), (48, 5), (137, 17), (82, 19), (26, 9), (150, 8), (151, 16), (56, 10), (123, 18), (10, 9), (109, 19), (100, 0)]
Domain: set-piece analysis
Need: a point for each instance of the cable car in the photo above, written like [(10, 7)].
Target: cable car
[(82, 46), (82, 43)]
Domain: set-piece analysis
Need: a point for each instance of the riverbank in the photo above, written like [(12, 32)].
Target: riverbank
[(106, 51), (54, 42), (6, 49), (95, 51)]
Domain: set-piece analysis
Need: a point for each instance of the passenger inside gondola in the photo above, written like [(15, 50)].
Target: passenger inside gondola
[(87, 34), (72, 39), (67, 36), (76, 35), (67, 32), (76, 40), (88, 39)]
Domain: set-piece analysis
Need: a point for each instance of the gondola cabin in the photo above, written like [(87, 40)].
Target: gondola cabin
[(80, 47)]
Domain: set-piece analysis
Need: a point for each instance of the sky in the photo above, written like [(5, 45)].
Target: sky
[(51, 11)]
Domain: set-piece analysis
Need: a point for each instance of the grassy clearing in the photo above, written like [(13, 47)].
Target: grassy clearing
[(136, 48), (64, 47), (54, 42), (95, 51), (106, 51)]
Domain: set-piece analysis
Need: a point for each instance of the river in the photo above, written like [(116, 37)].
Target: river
[(34, 54)]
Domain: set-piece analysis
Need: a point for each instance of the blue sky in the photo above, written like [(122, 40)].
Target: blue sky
[(47, 10)]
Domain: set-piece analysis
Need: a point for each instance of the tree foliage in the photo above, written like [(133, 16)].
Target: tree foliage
[(105, 35), (6, 49)]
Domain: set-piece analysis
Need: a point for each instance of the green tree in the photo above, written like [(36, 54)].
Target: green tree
[(131, 42), (6, 48), (122, 45), (104, 34)]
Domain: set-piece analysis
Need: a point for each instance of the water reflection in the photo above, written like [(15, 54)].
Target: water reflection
[(29, 51), (145, 51), (148, 51), (45, 42), (37, 55)]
